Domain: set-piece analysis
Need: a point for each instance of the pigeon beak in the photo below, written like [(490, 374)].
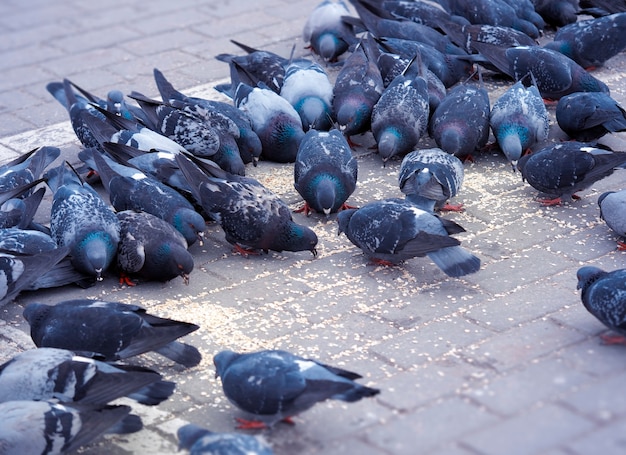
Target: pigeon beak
[(200, 237), (327, 212), (514, 165), (185, 279), (99, 275), (255, 161), (314, 251)]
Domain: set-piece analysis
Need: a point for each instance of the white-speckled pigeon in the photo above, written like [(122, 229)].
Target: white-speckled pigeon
[(586, 116), (326, 32), (270, 386)]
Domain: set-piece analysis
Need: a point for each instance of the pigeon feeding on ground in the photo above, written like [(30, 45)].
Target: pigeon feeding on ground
[(151, 248), (519, 120), (591, 42), (252, 217), (604, 295), (26, 168), (45, 427), (200, 441), (494, 12), (81, 220), (18, 207), (282, 385), (558, 171), (613, 211), (325, 172), (430, 177), (51, 373), (109, 330), (326, 32), (394, 230), (586, 116)]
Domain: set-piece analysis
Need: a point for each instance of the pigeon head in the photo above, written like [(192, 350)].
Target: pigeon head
[(325, 195), (329, 46), (510, 140), (170, 260), (34, 313), (286, 136), (343, 219), (298, 238), (190, 224), (389, 143), (250, 146), (353, 116), (587, 275), (93, 253), (222, 360), (314, 113)]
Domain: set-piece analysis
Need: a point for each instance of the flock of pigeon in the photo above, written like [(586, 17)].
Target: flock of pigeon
[(169, 166)]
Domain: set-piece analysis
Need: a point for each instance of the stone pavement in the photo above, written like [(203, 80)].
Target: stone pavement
[(503, 361)]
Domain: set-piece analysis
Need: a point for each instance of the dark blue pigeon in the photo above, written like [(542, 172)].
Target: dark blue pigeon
[(25, 241), (17, 210), (50, 373), (285, 385), (325, 172), (26, 168), (50, 428), (274, 120), (592, 42), (200, 441), (130, 189), (604, 295), (613, 211), (558, 171), (556, 74), (586, 116), (493, 12), (391, 231), (151, 249), (309, 91), (519, 120), (430, 177), (358, 87), (433, 14), (109, 331), (18, 272), (400, 117), (328, 35), (252, 217), (82, 221), (460, 124), (602, 7), (525, 9), (248, 141), (557, 13)]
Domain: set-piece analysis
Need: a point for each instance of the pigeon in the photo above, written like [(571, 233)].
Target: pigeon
[(561, 170), (400, 117), (309, 91), (393, 230), (248, 141), (464, 35), (274, 120), (151, 248), (200, 441), (51, 373), (519, 120), (26, 168), (17, 210), (429, 13), (592, 42), (283, 384), (587, 116), (430, 177), (130, 189), (493, 12), (460, 123), (358, 87), (46, 427), (25, 241), (604, 7), (556, 74), (604, 295), (325, 172), (81, 220), (252, 217), (328, 35), (613, 211), (557, 13), (109, 331), (18, 272)]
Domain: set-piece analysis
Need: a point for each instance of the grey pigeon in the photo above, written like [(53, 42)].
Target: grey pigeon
[(25, 241), (519, 120), (252, 217), (18, 207), (586, 116), (285, 385), (326, 32), (604, 295), (109, 330), (460, 123), (493, 12), (26, 168), (200, 441), (400, 116), (310, 92), (151, 248), (49, 428), (430, 177), (394, 230), (51, 373), (325, 172), (82, 221), (590, 43), (558, 171), (613, 211)]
